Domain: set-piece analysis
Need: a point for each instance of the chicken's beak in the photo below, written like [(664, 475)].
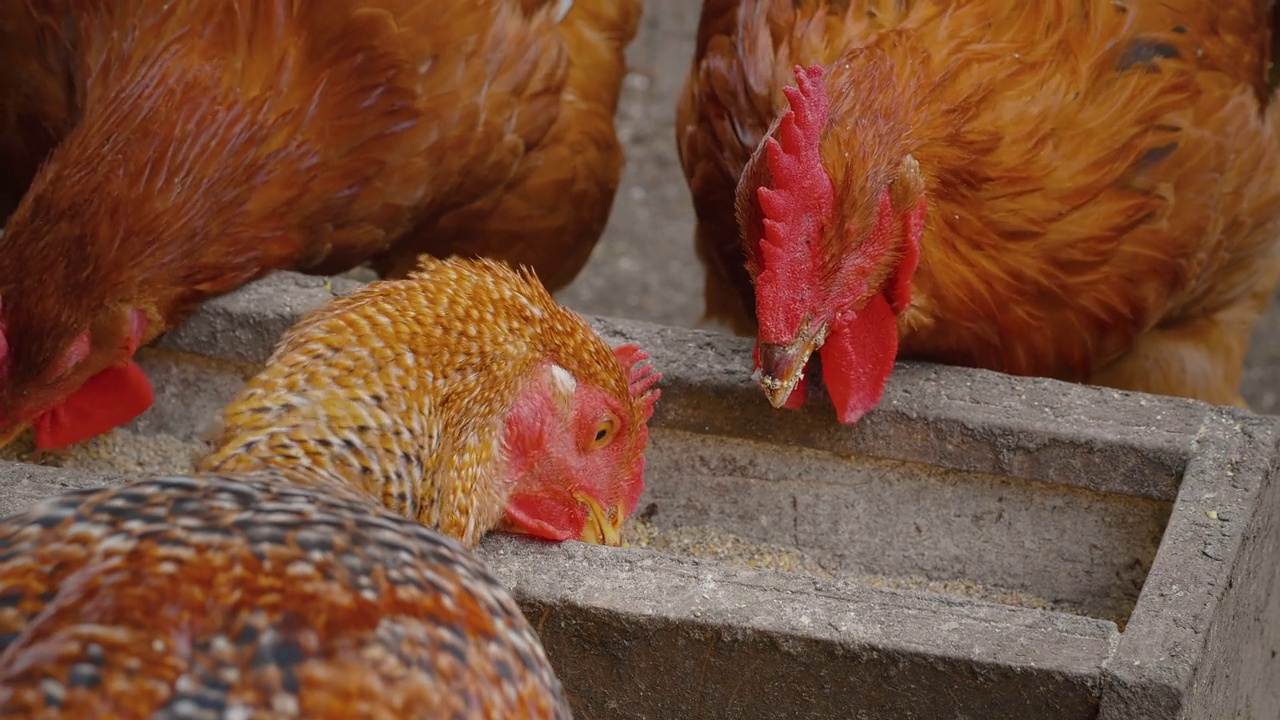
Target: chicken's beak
[(782, 366), (603, 527)]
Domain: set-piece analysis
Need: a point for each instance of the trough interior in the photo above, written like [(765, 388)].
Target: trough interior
[(904, 525)]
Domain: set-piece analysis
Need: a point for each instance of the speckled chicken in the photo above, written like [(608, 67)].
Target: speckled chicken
[(254, 597), (462, 396)]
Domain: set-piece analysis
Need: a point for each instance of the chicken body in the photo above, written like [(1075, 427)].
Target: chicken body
[(462, 396), (1090, 189), (208, 143), (251, 596)]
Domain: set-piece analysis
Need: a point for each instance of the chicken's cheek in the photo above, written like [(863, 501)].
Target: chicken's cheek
[(543, 517), (857, 359), (107, 400)]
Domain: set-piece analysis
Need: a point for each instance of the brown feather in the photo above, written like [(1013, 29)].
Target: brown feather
[(1103, 199), (37, 98), (222, 140), (402, 388)]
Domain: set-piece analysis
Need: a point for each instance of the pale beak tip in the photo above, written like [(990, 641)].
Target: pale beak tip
[(775, 391), (601, 527)]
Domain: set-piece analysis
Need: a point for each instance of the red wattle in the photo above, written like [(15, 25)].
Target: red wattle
[(532, 515), (858, 357), (107, 400)]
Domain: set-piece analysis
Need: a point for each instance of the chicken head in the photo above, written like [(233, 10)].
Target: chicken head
[(92, 385), (576, 453), (825, 284)]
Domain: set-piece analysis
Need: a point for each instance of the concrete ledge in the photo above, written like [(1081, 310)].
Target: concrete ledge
[(1156, 513), (640, 636)]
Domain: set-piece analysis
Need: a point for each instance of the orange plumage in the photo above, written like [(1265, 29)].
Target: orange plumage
[(1097, 184), (208, 143), (462, 396), (35, 100)]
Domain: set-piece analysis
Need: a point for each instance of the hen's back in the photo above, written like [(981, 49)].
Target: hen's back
[(549, 209), (222, 596)]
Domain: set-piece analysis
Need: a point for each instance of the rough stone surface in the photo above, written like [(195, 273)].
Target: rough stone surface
[(637, 636), (1203, 638)]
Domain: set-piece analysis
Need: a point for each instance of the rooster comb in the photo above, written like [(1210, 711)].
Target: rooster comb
[(641, 377), (796, 204), (799, 195)]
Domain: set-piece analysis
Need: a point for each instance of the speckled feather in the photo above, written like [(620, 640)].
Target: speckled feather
[(402, 388), (1103, 199), (212, 596)]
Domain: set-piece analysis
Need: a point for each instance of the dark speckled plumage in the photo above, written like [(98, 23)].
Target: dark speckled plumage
[(251, 596)]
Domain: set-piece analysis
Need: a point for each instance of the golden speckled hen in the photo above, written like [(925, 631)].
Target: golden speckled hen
[(204, 143), (462, 396), (277, 584), (253, 596), (1085, 191)]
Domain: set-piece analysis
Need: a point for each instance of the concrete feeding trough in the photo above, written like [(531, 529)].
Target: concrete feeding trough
[(979, 547)]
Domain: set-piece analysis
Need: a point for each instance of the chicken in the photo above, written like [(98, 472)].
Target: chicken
[(254, 596), (1083, 191), (463, 397), (210, 142)]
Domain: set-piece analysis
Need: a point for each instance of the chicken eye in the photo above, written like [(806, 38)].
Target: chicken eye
[(604, 432)]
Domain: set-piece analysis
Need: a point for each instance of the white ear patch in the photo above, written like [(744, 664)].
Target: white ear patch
[(564, 380)]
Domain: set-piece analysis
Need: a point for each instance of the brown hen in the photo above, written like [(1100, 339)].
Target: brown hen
[(1084, 191), (210, 142)]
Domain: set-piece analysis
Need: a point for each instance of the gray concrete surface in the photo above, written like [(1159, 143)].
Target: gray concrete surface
[(1054, 488)]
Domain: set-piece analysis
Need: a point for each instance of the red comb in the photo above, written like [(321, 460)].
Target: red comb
[(641, 378), (795, 205)]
